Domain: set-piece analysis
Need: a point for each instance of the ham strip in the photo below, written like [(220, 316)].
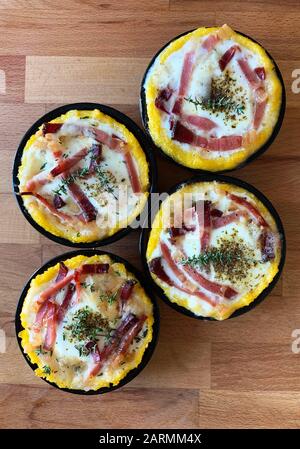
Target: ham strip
[(225, 143), (187, 69), (213, 287), (126, 290), (51, 128), (224, 220), (51, 319), (53, 289), (210, 42), (267, 243), (250, 74), (202, 123), (95, 268), (227, 56), (166, 253), (62, 309), (155, 266), (113, 142), (259, 113), (260, 72), (66, 164), (132, 172), (50, 207), (247, 205), (89, 213), (120, 341), (203, 214)]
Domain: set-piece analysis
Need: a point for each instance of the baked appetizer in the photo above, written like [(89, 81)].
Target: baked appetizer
[(83, 176), (211, 98), (87, 323), (214, 247)]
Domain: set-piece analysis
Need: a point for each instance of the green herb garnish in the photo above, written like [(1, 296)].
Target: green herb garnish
[(43, 166), (46, 369)]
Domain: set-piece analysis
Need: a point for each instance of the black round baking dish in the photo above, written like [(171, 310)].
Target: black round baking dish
[(225, 179), (142, 138), (145, 284), (257, 153)]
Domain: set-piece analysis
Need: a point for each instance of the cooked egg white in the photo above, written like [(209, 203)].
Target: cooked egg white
[(113, 211), (246, 232), (68, 368), (166, 71)]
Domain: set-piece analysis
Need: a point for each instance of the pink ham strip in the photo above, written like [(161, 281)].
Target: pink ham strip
[(247, 205), (221, 290), (53, 289), (172, 264), (203, 123), (66, 303), (155, 266), (120, 342), (260, 108), (133, 175), (204, 220), (89, 213), (188, 65), (250, 74), (224, 220), (50, 207), (107, 139), (227, 56), (69, 162), (225, 143), (210, 42), (51, 318)]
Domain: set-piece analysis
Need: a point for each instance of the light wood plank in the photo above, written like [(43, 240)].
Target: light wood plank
[(102, 33), (14, 228), (127, 408), (13, 73), (104, 79), (255, 367), (258, 409), (15, 120)]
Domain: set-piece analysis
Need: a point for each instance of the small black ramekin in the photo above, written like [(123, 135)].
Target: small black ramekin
[(258, 152), (144, 283), (223, 179), (142, 138)]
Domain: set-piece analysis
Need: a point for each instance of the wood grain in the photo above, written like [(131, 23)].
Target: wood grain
[(238, 373), (70, 79)]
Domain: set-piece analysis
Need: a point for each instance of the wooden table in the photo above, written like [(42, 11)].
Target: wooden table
[(239, 373)]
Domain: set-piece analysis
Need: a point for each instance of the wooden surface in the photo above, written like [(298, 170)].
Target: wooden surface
[(239, 373)]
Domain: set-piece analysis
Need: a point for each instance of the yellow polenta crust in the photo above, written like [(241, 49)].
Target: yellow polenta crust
[(50, 274), (193, 159), (158, 225), (43, 218)]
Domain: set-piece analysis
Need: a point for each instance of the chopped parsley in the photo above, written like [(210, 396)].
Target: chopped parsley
[(43, 166), (46, 369), (110, 298), (86, 325)]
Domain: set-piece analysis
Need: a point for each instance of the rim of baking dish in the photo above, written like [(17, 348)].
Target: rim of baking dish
[(138, 133), (251, 157), (144, 238), (145, 285)]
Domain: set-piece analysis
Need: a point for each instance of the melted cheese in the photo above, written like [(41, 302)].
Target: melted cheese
[(166, 71), (246, 231), (114, 211), (69, 368)]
